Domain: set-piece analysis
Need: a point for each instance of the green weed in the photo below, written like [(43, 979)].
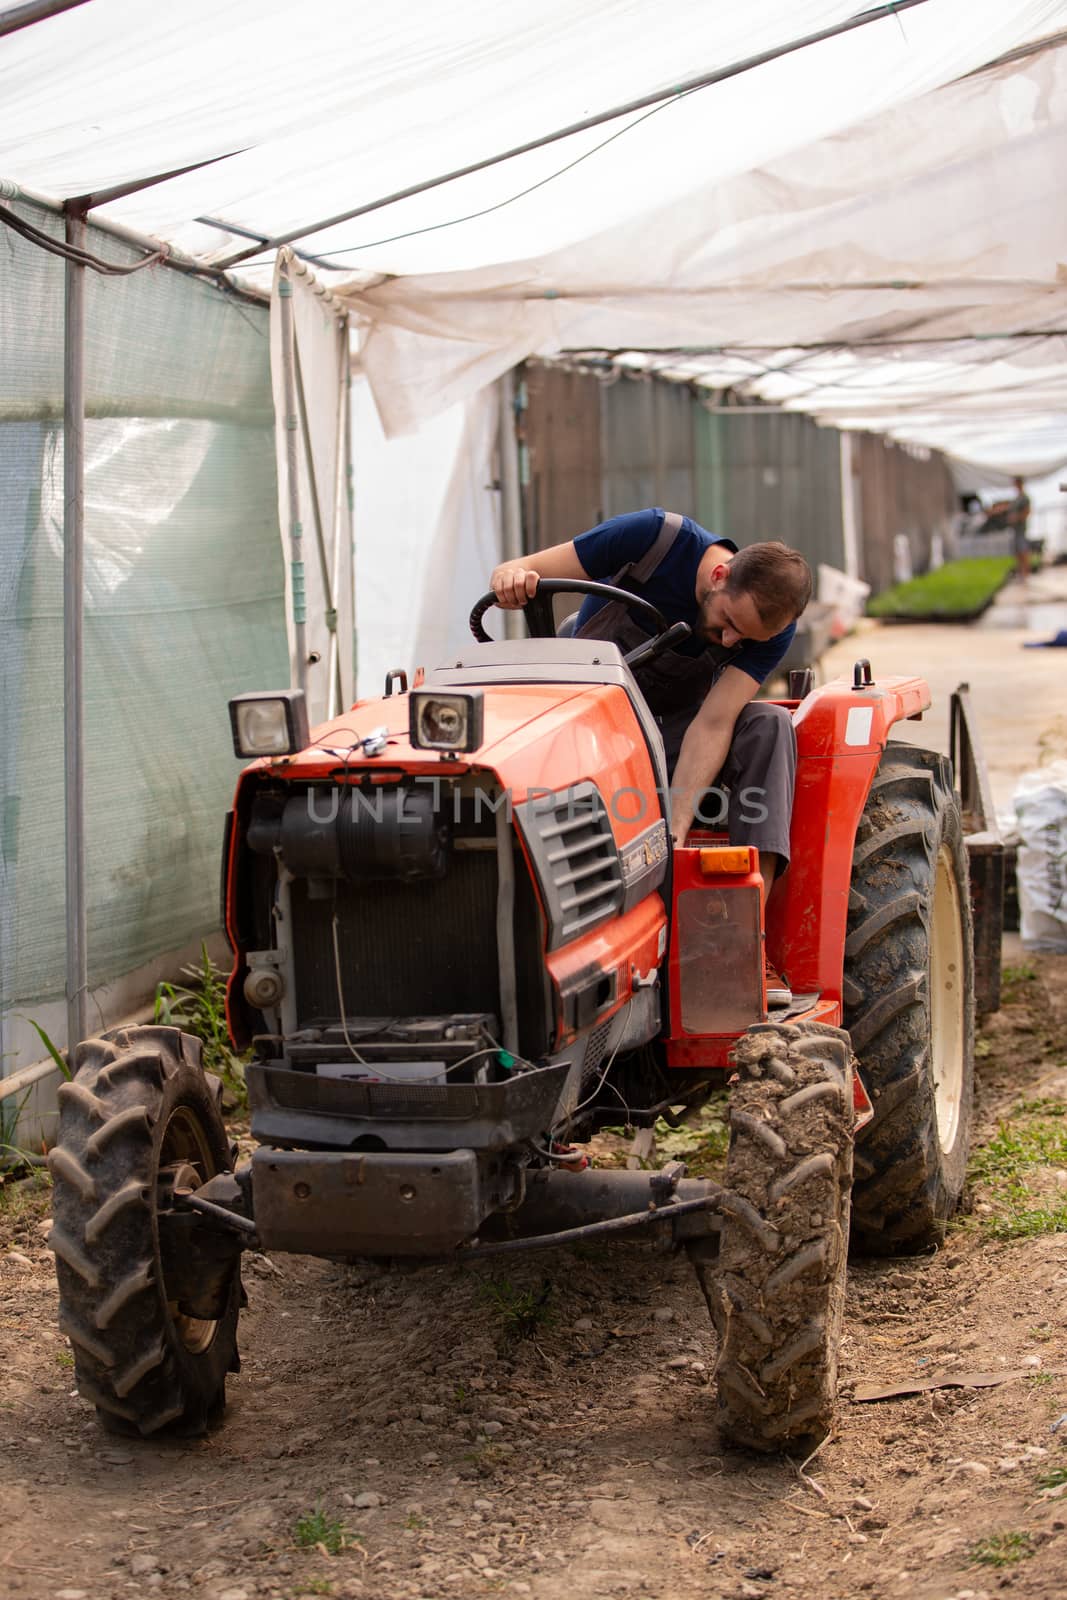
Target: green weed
[(13, 1154), (520, 1312), (314, 1586), (200, 1009), (1052, 1478), (58, 1057), (315, 1528), (1001, 1550), (1022, 972)]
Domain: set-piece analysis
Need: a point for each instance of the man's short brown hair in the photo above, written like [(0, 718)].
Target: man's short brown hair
[(777, 579)]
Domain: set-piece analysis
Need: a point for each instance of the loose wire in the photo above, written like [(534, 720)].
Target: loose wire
[(70, 252)]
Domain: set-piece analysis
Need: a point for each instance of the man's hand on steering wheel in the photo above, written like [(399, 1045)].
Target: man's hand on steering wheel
[(513, 584), (538, 605)]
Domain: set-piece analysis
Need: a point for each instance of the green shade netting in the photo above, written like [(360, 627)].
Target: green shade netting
[(183, 601)]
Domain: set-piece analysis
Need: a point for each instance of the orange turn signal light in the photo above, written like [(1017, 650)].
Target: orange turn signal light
[(732, 859)]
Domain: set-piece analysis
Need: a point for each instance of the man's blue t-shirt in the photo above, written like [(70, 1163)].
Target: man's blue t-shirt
[(609, 546)]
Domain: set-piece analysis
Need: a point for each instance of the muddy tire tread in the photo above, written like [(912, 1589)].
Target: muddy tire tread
[(906, 1186), (777, 1295), (129, 1362)]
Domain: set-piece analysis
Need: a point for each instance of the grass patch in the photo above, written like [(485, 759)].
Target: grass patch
[(957, 591), (1015, 982), (1034, 1138), (520, 1313), (1052, 1478), (1001, 1550), (1028, 1222), (1018, 1147), (24, 1200), (200, 1008), (317, 1530)]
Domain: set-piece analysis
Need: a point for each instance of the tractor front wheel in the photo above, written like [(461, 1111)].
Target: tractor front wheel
[(909, 1003), (777, 1290), (139, 1119)]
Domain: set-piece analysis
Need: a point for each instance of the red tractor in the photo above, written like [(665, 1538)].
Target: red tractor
[(462, 943)]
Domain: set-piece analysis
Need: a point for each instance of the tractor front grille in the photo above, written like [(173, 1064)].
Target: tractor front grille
[(570, 838)]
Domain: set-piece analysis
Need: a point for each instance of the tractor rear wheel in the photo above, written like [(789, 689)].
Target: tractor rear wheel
[(909, 1003), (777, 1292), (139, 1118)]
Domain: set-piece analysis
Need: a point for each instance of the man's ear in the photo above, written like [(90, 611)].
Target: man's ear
[(719, 574)]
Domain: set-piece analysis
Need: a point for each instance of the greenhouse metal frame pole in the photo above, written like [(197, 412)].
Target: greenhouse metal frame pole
[(73, 629), (336, 703), (510, 492), (34, 11), (350, 524), (296, 531)]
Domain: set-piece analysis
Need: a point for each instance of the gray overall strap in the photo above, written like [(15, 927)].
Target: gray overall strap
[(643, 569)]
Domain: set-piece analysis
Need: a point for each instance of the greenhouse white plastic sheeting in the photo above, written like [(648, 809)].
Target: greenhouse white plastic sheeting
[(859, 189), (316, 441)]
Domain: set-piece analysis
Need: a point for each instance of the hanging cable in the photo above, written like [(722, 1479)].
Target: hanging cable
[(472, 216), (656, 98), (81, 258)]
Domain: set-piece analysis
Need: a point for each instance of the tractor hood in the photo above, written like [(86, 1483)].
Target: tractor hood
[(536, 739)]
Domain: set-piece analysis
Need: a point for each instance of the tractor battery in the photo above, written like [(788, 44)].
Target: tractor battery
[(716, 964)]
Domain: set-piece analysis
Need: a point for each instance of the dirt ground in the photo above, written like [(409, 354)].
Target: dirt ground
[(463, 1458)]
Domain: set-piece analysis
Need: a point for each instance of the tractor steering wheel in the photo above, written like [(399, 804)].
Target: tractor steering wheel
[(541, 622)]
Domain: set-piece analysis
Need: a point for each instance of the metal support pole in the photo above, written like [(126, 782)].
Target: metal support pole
[(849, 530), (505, 925), (73, 614), (340, 529), (296, 531), (510, 500), (34, 11), (351, 534)]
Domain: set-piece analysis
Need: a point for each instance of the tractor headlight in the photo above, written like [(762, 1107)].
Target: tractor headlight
[(445, 721), (269, 724)]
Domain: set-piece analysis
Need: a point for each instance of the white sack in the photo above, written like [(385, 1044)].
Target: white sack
[(1041, 810)]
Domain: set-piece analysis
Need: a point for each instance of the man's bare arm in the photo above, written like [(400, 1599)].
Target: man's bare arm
[(706, 746), (515, 582)]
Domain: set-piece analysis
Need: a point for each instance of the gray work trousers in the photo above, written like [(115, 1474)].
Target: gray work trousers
[(753, 794)]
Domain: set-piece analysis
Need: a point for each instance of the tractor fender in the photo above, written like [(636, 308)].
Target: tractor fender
[(842, 731)]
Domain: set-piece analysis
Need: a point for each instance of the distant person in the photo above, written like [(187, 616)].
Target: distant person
[(1013, 516), (1017, 516)]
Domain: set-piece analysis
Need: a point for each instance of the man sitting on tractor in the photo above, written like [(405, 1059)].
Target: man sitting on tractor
[(742, 607)]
